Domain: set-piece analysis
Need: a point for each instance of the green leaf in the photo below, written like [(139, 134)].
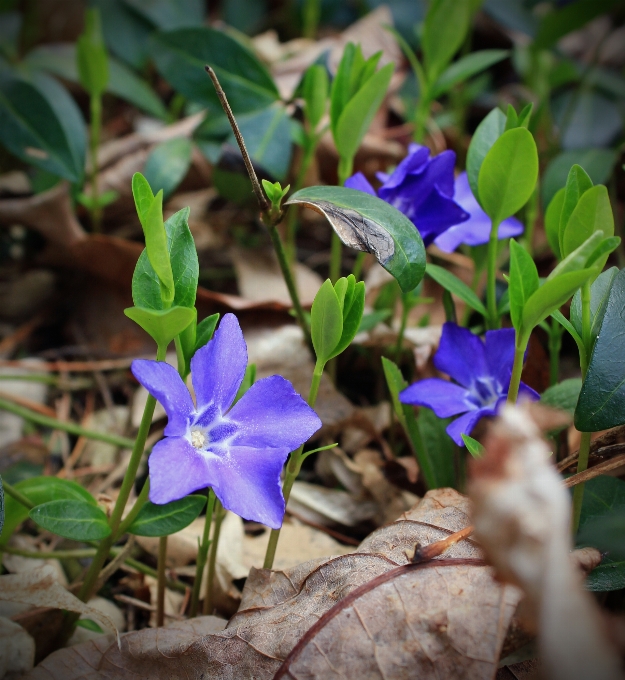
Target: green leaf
[(563, 395), (525, 115), (552, 294), (577, 184), (454, 285), (156, 248), (512, 119), (371, 320), (162, 520), (163, 325), (353, 307), (168, 164), (326, 322), (466, 67), (552, 222), (406, 416), (445, 27), (39, 490), (367, 223), (566, 324), (473, 446), (88, 624), (602, 399), (315, 90), (508, 174), (599, 293), (249, 378), (143, 196), (73, 519), (486, 134), (436, 439), (599, 255), (606, 533), (184, 266), (593, 212), (603, 496), (580, 257), (340, 92), (181, 55), (91, 55), (41, 125), (205, 330), (358, 113), (523, 281)]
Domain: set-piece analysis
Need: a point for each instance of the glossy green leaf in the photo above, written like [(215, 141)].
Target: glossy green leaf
[(580, 257), (163, 325), (326, 321), (552, 222), (184, 265), (168, 164), (525, 115), (523, 281), (181, 55), (445, 27), (340, 92), (358, 113), (436, 440), (39, 490), (406, 416), (563, 395), (315, 90), (162, 520), (599, 255), (466, 67), (91, 56), (205, 330), (353, 307), (485, 135), (512, 119), (577, 184), (41, 125), (455, 286), (602, 399), (73, 519), (473, 446), (367, 223), (593, 212), (156, 248), (607, 534), (603, 496), (142, 194), (551, 295), (599, 293), (508, 174)]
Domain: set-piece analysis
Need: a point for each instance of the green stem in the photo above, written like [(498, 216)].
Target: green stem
[(212, 561), (142, 499), (345, 170), (94, 139), (531, 212), (517, 367), (17, 496), (555, 345), (293, 467), (289, 279), (422, 113), (160, 577), (91, 578), (491, 285), (358, 264), (584, 444), (312, 9), (72, 428), (402, 329), (202, 554)]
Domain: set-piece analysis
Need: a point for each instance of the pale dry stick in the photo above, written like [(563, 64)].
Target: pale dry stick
[(35, 406), (436, 549), (591, 473), (140, 604)]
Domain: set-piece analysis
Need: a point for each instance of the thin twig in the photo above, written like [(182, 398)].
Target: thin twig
[(595, 471), (260, 194)]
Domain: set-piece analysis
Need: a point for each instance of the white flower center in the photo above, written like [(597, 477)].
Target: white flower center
[(198, 439)]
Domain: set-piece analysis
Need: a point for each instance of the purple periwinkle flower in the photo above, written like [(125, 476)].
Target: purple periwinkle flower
[(476, 230), (422, 188), (237, 451), (482, 372)]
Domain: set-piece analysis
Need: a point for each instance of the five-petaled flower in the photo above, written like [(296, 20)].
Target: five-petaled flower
[(482, 372), (422, 188), (476, 230), (238, 451)]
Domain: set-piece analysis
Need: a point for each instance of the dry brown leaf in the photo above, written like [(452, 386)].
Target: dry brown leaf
[(278, 607)]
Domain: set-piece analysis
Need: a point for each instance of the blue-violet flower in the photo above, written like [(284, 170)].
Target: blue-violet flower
[(422, 188), (476, 230), (482, 371), (237, 451)]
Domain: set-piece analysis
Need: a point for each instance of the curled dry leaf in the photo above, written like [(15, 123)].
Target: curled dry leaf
[(450, 610), (522, 519)]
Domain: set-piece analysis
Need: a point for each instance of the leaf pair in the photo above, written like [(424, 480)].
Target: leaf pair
[(335, 316), (356, 94)]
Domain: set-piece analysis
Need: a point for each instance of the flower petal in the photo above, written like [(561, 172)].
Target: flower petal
[(443, 397), (526, 393), (163, 382), (436, 214), (499, 347), (466, 423), (218, 368), (272, 414), (440, 172), (461, 355), (361, 183), (247, 482), (415, 162), (176, 470)]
